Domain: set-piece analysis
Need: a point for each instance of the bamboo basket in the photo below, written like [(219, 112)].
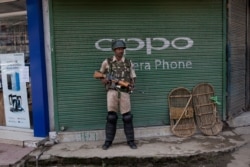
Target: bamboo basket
[(206, 114), (181, 112)]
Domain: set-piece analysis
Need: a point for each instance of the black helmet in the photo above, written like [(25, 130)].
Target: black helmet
[(118, 44)]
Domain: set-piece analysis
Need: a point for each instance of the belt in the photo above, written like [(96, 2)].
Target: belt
[(125, 90)]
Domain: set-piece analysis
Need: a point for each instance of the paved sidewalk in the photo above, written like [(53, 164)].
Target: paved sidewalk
[(148, 149), (151, 150), (241, 156), (12, 154)]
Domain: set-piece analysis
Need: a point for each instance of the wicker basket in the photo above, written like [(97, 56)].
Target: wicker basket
[(177, 112), (206, 115), (181, 112)]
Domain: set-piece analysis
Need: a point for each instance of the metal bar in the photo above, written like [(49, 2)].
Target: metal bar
[(12, 14), (5, 1)]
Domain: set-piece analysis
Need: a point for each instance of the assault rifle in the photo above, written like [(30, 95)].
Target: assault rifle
[(99, 75)]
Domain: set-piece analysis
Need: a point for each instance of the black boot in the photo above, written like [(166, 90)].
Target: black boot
[(129, 129), (110, 129)]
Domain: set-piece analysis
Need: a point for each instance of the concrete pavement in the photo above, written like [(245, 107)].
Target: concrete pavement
[(241, 156), (16, 144), (12, 154), (151, 150)]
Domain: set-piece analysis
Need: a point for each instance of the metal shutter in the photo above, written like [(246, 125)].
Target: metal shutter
[(172, 43), (237, 57)]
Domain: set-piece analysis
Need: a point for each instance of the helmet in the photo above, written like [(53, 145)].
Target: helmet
[(118, 44)]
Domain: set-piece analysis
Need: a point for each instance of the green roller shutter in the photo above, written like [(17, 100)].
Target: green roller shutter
[(172, 44)]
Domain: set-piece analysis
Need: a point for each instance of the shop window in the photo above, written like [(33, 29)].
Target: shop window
[(14, 39)]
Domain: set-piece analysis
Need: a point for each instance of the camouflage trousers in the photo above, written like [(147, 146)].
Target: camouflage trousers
[(118, 101)]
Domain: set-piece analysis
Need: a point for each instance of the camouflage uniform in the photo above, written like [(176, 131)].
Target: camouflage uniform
[(118, 99), (121, 70)]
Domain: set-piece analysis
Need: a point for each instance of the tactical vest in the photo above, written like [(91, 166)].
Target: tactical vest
[(119, 70)]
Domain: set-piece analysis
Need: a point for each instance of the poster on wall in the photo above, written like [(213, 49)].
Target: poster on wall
[(13, 73)]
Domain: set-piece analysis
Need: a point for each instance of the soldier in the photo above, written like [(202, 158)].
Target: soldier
[(118, 97)]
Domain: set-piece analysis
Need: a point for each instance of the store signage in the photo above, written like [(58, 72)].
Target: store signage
[(13, 73), (148, 44), (153, 44)]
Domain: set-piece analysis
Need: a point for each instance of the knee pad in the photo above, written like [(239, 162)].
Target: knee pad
[(112, 117), (127, 117)]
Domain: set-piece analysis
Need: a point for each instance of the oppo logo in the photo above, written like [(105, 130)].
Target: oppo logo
[(148, 44)]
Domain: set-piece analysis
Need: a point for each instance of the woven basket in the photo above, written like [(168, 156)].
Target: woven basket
[(181, 112), (206, 114), (176, 112)]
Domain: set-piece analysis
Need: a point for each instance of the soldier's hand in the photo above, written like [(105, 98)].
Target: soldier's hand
[(131, 87)]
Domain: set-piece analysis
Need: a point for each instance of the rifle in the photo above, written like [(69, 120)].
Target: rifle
[(99, 75)]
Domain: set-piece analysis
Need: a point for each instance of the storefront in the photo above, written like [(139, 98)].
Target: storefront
[(21, 57), (172, 44)]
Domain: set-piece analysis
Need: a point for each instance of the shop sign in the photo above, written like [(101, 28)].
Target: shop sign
[(152, 45), (148, 44)]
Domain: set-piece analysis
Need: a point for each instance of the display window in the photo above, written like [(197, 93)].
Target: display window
[(15, 86), (13, 35)]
